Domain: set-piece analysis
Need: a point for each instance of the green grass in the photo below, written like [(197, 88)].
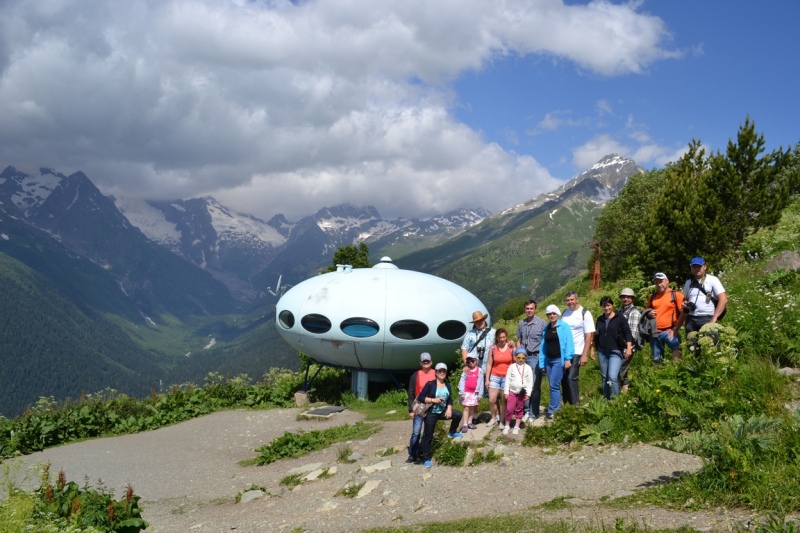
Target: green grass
[(292, 480), (514, 523), (556, 504), (350, 489), (297, 444), (392, 400)]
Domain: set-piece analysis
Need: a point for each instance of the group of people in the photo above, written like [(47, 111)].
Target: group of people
[(510, 373)]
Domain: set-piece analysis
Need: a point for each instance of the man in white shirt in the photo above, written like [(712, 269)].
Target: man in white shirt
[(581, 323), (704, 298)]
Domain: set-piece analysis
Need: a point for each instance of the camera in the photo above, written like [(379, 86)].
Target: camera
[(480, 350), (689, 307)]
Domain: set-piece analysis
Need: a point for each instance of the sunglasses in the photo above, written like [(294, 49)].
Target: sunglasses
[(427, 362), (441, 370)]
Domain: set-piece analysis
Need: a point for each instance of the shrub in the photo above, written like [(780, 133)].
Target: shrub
[(68, 507), (296, 444)]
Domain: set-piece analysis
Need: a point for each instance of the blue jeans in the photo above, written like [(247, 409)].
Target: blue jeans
[(610, 363), (660, 341), (413, 446), (555, 371)]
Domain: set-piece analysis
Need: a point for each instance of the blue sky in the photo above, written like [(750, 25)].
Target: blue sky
[(740, 58), (412, 107)]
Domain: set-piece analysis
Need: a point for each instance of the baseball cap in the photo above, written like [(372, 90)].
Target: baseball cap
[(660, 275), (552, 308), (697, 261), (441, 366), (627, 292), (424, 356), (521, 350)]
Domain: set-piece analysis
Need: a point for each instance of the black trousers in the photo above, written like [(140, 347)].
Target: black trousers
[(569, 383), (694, 323), (532, 405), (623, 370), (430, 425)]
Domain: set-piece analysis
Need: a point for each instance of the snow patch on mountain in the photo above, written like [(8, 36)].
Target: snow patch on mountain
[(233, 226), (33, 190), (149, 220)]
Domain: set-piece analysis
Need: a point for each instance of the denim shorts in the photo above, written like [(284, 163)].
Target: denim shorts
[(496, 382)]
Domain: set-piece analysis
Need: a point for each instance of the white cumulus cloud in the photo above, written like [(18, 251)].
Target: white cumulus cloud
[(282, 107)]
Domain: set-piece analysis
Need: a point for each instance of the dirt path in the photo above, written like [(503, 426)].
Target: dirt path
[(188, 477)]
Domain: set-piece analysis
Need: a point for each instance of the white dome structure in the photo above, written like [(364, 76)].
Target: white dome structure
[(376, 319)]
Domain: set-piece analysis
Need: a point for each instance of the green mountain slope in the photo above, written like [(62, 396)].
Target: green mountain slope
[(543, 238), (548, 250), (51, 346)]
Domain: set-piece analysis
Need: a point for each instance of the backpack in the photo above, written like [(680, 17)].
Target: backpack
[(638, 340), (694, 284)]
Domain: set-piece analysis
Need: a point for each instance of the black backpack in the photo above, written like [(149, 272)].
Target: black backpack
[(638, 340)]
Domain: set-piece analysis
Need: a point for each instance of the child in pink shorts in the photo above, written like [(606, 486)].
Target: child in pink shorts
[(470, 390)]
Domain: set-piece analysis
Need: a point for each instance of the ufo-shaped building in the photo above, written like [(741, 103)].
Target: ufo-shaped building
[(375, 319)]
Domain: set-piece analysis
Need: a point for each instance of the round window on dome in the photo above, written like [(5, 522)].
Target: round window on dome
[(316, 323), (286, 319), (451, 330), (409, 329), (360, 327)]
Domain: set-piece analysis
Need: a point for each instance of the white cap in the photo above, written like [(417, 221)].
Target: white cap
[(552, 308), (424, 356), (441, 366)]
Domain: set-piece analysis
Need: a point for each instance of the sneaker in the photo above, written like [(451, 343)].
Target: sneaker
[(427, 464), (501, 426), (418, 462), (464, 429), (472, 426), (505, 430), (491, 422), (515, 431), (525, 417), (410, 460), (455, 435), (497, 417)]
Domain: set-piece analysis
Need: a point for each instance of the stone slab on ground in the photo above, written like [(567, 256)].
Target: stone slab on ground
[(305, 469), (383, 465), (475, 435), (251, 495), (368, 487)]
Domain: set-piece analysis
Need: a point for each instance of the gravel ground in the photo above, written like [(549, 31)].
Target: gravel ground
[(188, 477)]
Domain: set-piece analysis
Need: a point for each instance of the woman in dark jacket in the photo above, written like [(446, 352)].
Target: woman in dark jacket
[(612, 337), (439, 394)]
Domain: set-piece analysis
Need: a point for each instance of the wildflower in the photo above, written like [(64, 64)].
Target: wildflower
[(658, 390)]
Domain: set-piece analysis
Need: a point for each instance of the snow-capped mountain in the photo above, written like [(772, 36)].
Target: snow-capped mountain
[(600, 183), (73, 211)]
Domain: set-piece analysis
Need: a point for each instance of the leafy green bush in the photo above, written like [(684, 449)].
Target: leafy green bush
[(68, 507), (296, 444), (752, 462), (704, 387), (108, 413)]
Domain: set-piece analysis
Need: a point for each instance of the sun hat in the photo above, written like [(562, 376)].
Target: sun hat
[(552, 308), (627, 292), (477, 316), (660, 275), (697, 261), (424, 356), (441, 366)]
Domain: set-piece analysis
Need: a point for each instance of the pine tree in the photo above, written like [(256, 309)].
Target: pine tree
[(357, 257), (753, 191)]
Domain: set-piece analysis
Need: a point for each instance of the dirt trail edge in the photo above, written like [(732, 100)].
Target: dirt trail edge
[(188, 477)]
